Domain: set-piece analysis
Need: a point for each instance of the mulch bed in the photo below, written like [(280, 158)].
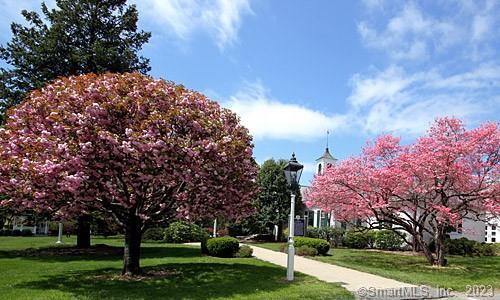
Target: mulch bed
[(146, 274)]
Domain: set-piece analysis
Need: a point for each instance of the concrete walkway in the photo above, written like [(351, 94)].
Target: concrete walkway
[(362, 285)]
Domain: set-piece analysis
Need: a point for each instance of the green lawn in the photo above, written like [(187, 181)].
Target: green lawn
[(460, 272), (180, 273)]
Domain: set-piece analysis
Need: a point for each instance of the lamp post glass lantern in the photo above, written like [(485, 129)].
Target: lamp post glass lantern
[(293, 170)]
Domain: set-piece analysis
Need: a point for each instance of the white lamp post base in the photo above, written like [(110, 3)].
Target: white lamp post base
[(291, 248)]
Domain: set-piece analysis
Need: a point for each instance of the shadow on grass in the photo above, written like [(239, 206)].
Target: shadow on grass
[(97, 252), (183, 281)]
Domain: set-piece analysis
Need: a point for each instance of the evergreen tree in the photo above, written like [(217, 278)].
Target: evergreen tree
[(77, 37), (273, 200)]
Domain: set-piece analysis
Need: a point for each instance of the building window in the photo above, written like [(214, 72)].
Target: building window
[(493, 233), (310, 218), (319, 169), (493, 227), (493, 240), (485, 239), (486, 228)]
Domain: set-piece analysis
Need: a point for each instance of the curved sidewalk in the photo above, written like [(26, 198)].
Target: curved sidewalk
[(362, 285), (351, 279)]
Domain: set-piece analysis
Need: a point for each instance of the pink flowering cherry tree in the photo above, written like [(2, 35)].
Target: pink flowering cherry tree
[(141, 150), (446, 176)]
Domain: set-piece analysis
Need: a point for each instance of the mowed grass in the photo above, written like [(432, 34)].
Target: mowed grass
[(460, 272), (180, 273)]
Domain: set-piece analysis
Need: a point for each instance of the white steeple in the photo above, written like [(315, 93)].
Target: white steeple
[(325, 160)]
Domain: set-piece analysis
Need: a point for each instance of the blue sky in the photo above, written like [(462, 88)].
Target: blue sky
[(294, 69)]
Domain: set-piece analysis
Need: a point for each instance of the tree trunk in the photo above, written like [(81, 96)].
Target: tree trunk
[(414, 245), (439, 238), (83, 232), (280, 231), (419, 240), (132, 249), (438, 259)]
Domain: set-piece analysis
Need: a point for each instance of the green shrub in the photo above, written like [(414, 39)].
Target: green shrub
[(16, 232), (388, 240), (2, 232), (182, 232), (461, 246), (486, 249), (223, 246), (359, 239), (244, 251), (284, 247), (306, 251), (26, 232), (497, 248), (330, 234), (312, 232), (320, 245), (154, 234)]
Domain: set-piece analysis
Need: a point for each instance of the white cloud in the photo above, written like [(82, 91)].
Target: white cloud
[(266, 117), (386, 101), (182, 18), (411, 33), (394, 101), (385, 86), (458, 73)]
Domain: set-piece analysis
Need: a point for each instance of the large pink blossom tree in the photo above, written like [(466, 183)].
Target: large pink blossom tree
[(446, 176), (143, 151)]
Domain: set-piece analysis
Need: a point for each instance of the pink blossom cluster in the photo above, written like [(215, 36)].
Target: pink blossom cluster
[(126, 144), (449, 174)]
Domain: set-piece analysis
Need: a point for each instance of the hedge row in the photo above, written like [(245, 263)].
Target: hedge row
[(16, 232), (330, 234), (306, 246), (176, 232), (466, 247), (380, 239)]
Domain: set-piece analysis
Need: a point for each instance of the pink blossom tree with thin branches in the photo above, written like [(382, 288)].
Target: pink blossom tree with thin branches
[(423, 188)]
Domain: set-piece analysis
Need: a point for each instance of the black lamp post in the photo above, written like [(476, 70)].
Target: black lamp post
[(293, 170)]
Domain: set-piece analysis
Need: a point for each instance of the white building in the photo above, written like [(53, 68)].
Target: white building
[(25, 222), (492, 231), (479, 231), (314, 215)]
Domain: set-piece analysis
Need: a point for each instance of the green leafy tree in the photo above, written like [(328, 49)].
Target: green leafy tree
[(273, 200), (77, 37)]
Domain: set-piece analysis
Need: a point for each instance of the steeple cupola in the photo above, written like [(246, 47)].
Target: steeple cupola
[(325, 160)]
